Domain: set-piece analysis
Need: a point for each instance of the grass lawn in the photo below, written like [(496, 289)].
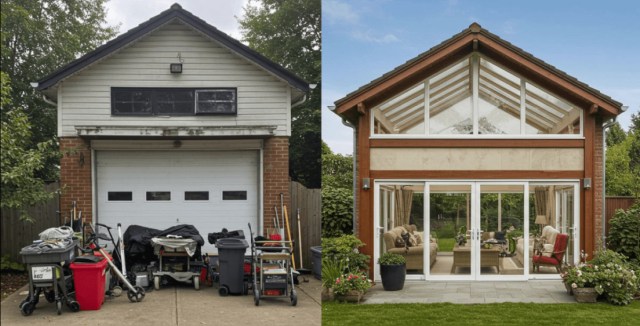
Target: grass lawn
[(480, 314), (446, 244)]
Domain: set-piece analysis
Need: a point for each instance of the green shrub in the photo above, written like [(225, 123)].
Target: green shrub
[(331, 270), (337, 212), (391, 259), (345, 249), (624, 232), (615, 277), (6, 264)]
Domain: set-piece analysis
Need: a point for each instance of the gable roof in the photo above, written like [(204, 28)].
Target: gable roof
[(474, 38), (174, 12)]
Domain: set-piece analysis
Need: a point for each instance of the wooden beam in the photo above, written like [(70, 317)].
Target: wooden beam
[(382, 119), (364, 197), (477, 143), (593, 109), (566, 121), (361, 109)]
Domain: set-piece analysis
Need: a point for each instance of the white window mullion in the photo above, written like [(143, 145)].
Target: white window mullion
[(475, 75), (523, 109), (426, 107)]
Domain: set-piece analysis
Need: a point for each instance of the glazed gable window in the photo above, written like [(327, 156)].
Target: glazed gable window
[(476, 97), (173, 101)]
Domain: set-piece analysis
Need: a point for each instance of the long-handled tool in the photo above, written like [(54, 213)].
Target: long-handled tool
[(121, 247), (302, 270), (286, 221)]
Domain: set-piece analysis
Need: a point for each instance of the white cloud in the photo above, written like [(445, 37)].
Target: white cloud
[(335, 11), (219, 13), (370, 37)]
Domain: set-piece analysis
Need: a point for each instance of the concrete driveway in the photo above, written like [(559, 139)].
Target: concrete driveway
[(178, 305)]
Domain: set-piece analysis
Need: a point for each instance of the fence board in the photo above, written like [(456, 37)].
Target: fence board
[(17, 234), (614, 203), (308, 201)]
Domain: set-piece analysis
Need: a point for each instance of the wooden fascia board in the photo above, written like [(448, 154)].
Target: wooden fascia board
[(554, 78), (418, 66)]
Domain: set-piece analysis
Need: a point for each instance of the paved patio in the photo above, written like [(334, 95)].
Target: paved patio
[(536, 291)]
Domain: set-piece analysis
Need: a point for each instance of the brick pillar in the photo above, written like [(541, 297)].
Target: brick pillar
[(598, 155), (276, 180), (75, 177)]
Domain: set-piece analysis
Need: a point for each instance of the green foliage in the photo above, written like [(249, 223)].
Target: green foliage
[(331, 270), (337, 169), (624, 232), (623, 179), (288, 32), (351, 282), (38, 37), (6, 264), (337, 212), (615, 135), (389, 258), (345, 249), (19, 162)]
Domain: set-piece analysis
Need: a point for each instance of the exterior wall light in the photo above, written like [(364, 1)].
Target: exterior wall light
[(175, 68), (366, 183), (587, 183)]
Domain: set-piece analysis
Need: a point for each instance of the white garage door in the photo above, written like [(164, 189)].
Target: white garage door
[(159, 189)]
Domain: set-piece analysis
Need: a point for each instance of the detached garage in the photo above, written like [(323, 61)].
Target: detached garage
[(146, 143)]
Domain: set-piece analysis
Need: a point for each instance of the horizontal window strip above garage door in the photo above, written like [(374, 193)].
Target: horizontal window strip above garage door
[(477, 159)]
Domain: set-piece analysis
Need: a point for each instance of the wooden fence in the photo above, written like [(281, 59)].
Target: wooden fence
[(309, 203), (614, 203), (17, 234)]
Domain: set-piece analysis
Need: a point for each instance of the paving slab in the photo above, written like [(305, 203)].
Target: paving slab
[(177, 305)]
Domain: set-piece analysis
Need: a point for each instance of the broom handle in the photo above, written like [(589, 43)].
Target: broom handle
[(286, 220)]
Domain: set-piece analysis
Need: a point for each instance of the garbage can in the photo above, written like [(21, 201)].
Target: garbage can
[(316, 261), (89, 281), (231, 262)]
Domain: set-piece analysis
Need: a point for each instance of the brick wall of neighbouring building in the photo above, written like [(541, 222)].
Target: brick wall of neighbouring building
[(276, 179), (75, 176)]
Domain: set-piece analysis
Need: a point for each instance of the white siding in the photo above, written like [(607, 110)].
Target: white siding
[(84, 99)]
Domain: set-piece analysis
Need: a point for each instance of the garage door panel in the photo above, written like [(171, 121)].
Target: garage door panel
[(177, 172)]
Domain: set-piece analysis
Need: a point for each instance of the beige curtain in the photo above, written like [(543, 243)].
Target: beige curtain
[(404, 198), (551, 206), (541, 194)]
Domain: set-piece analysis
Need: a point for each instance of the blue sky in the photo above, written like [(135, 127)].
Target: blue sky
[(595, 41)]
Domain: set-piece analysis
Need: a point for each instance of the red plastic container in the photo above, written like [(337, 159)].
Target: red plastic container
[(89, 282)]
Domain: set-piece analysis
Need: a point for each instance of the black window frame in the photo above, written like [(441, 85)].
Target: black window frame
[(154, 100), (235, 195)]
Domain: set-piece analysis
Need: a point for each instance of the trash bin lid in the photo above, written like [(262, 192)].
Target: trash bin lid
[(232, 243)]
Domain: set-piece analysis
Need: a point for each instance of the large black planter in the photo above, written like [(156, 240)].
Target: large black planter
[(393, 276)]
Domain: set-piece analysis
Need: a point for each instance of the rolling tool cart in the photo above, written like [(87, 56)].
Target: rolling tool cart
[(272, 270), (175, 261), (47, 263)]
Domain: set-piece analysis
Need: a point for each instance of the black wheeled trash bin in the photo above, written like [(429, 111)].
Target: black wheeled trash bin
[(231, 263)]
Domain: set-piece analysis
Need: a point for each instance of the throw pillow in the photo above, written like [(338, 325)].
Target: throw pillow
[(399, 242), (413, 240), (419, 240), (406, 236)]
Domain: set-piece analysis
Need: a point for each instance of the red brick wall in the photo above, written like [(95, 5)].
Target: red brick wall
[(276, 179), (597, 185), (75, 176)]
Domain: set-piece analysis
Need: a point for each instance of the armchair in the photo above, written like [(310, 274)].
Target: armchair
[(555, 260)]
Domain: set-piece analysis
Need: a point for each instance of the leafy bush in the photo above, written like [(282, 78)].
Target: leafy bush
[(624, 232), (337, 212), (345, 249), (6, 264), (389, 258)]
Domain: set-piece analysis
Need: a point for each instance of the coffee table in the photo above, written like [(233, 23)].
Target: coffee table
[(488, 257)]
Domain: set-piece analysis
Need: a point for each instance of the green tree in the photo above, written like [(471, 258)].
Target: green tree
[(19, 163), (615, 135), (38, 37), (337, 169), (621, 179), (288, 32)]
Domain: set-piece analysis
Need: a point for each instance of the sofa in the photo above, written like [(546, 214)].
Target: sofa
[(546, 242), (414, 253)]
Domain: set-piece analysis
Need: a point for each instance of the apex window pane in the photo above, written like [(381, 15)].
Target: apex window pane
[(499, 100), (450, 105), (119, 196), (234, 195), (196, 195), (158, 195), (548, 114), (403, 114)]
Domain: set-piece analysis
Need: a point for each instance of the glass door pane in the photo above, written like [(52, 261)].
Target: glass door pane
[(450, 224), (501, 225)]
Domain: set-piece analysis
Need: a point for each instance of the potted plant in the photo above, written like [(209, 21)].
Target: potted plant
[(331, 271), (393, 270), (350, 287)]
